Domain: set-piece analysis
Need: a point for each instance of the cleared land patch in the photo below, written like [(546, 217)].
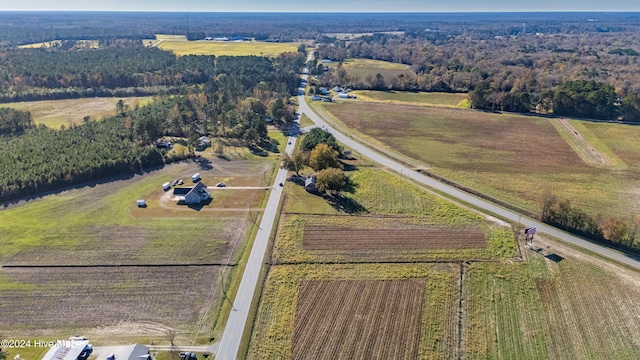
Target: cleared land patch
[(342, 238), (414, 98), (358, 319), (364, 68), (55, 113)]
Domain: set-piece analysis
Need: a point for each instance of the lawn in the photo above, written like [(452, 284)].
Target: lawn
[(229, 48), (56, 113), (514, 158), (414, 98)]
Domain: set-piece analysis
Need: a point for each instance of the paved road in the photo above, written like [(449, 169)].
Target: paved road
[(621, 257), (230, 343)]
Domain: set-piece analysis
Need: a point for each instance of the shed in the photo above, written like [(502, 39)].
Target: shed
[(141, 203), (310, 184), (166, 186), (195, 177)]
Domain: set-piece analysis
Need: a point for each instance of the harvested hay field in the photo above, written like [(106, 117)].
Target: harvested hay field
[(358, 319), (340, 238), (41, 301), (514, 158)]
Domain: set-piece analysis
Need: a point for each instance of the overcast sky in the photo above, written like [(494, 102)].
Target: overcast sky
[(322, 5)]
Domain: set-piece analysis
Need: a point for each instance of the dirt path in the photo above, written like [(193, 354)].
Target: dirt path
[(589, 154)]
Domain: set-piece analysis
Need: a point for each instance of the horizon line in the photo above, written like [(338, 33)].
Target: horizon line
[(341, 12)]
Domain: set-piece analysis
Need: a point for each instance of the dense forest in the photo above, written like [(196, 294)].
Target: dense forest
[(236, 96), (42, 74), (570, 70)]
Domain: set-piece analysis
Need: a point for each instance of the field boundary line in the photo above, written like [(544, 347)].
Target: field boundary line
[(9, 266)]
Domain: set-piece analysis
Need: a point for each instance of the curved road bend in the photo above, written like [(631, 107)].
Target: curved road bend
[(466, 197), (230, 343)]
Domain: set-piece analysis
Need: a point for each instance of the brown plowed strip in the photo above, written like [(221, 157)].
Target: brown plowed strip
[(352, 319), (336, 238)]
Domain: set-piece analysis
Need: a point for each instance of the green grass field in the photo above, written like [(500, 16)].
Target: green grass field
[(542, 309), (514, 158), (55, 113), (203, 47), (414, 98)]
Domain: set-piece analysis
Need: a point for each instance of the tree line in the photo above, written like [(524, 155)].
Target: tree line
[(613, 230)]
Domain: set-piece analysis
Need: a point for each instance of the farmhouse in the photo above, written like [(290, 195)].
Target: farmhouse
[(192, 195)]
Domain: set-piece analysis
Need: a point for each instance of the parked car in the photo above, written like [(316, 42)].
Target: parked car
[(180, 182), (174, 182), (221, 184)]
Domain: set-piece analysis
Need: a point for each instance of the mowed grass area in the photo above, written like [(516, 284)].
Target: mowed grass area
[(69, 112), (273, 332), (452, 100), (363, 68), (383, 201), (228, 48), (514, 158), (542, 309), (100, 225)]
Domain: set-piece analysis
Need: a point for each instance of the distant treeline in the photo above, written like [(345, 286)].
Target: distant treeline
[(571, 69)]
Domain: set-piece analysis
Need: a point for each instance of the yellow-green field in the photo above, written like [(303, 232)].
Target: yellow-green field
[(55, 113), (229, 48), (452, 100)]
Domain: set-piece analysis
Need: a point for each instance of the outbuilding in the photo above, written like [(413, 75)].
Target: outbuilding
[(166, 186), (141, 203), (195, 177)]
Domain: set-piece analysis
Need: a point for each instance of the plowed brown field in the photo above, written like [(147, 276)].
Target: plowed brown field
[(358, 320), (45, 300), (343, 238)]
